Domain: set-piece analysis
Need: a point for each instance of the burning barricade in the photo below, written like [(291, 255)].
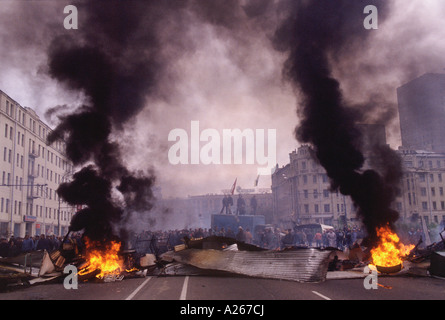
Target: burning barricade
[(109, 261)]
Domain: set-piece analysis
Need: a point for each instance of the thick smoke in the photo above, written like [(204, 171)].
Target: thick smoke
[(315, 34), (114, 64), (125, 49)]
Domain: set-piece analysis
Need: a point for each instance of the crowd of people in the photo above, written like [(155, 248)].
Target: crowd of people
[(160, 241), (15, 246), (268, 237)]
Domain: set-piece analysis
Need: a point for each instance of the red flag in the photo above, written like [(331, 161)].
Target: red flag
[(234, 185)]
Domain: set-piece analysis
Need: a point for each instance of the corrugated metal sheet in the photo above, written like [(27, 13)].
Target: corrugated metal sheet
[(302, 265)]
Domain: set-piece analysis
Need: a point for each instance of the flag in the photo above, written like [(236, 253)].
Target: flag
[(256, 181), (233, 187)]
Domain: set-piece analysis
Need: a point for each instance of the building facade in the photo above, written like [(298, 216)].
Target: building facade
[(30, 173), (422, 190), (196, 211), (301, 194), (421, 105)]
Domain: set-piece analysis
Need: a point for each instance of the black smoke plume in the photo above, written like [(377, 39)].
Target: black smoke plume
[(315, 34), (111, 58)]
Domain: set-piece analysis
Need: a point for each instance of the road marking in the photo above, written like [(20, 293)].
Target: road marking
[(320, 295), (131, 296), (184, 289)]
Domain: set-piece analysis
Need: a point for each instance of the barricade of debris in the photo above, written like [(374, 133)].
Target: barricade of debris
[(216, 256), (43, 266), (221, 255), (421, 261)]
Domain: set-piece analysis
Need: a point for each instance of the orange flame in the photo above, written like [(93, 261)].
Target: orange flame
[(390, 251), (103, 257)]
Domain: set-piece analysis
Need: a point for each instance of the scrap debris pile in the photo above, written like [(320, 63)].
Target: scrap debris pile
[(213, 255)]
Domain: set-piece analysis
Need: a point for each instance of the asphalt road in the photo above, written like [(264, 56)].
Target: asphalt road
[(195, 288)]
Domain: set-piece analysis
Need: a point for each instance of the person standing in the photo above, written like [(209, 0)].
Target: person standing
[(249, 236), (225, 204), (253, 204), (240, 206), (27, 244), (241, 236)]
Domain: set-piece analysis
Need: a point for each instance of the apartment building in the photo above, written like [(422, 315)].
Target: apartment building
[(422, 189), (301, 193), (30, 173), (421, 104)]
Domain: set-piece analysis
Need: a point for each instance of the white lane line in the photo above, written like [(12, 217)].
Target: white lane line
[(184, 289), (320, 295), (131, 296)]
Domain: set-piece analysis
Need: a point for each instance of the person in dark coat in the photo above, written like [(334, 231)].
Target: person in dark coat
[(4, 248), (253, 205), (241, 236), (44, 243), (240, 206)]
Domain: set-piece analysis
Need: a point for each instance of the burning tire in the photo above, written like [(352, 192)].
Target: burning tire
[(388, 270)]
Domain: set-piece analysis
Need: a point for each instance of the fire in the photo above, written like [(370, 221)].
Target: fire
[(390, 251), (104, 257)]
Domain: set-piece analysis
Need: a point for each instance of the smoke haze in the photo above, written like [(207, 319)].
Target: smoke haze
[(171, 62)]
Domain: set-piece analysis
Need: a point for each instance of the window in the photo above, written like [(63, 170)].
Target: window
[(423, 192), (433, 191), (424, 206), (326, 193), (305, 194), (327, 208)]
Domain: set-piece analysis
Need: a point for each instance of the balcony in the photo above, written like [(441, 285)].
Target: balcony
[(32, 195), (33, 154), (33, 174)]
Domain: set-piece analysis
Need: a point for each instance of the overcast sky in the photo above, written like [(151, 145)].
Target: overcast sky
[(225, 78)]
